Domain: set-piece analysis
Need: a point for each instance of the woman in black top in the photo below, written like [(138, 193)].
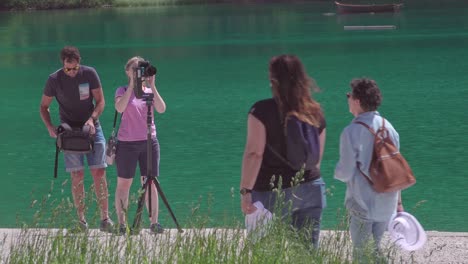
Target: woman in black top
[(262, 167)]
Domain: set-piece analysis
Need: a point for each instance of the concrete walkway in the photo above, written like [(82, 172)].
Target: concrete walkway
[(441, 247)]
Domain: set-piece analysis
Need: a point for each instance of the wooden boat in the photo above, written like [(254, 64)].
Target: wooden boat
[(344, 8)]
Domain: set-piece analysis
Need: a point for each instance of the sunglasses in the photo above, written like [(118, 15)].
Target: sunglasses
[(77, 67)]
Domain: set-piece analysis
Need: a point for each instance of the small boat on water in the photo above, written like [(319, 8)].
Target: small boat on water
[(344, 8)]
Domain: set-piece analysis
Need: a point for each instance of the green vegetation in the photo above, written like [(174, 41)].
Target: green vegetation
[(68, 4), (162, 2), (195, 245), (42, 242), (52, 4)]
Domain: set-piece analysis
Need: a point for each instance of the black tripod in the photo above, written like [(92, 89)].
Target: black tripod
[(150, 178)]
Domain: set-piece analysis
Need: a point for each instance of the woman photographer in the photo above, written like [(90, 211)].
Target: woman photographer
[(132, 146), (265, 156)]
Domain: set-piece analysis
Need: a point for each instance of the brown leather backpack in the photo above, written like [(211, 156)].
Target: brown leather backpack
[(389, 171)]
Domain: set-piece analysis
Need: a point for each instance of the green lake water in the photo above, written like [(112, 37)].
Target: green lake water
[(212, 66)]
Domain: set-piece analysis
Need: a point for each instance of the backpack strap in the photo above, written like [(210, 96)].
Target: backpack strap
[(369, 128), (279, 156), (358, 164)]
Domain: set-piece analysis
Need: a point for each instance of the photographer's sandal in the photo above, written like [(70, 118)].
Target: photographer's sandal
[(107, 226), (156, 228), (79, 227)]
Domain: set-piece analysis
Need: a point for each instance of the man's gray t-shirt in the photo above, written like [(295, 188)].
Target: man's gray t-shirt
[(73, 95)]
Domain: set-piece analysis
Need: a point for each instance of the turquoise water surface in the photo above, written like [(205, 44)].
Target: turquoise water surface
[(212, 66)]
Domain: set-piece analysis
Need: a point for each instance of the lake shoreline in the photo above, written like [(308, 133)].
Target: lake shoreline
[(131, 3)]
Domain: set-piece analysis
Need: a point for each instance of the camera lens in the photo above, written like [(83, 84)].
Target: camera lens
[(151, 70), (143, 64)]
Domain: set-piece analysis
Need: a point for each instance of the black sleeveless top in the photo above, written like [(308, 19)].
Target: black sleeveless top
[(272, 167)]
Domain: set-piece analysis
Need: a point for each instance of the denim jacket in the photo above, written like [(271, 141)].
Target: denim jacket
[(356, 145)]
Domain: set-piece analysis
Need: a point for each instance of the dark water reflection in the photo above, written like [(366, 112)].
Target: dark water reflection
[(212, 65)]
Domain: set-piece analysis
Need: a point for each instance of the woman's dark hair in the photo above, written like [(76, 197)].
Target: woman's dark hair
[(292, 89), (367, 92), (69, 54)]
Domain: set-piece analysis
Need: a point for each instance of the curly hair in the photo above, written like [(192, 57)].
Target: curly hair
[(367, 92), (69, 54), (293, 89)]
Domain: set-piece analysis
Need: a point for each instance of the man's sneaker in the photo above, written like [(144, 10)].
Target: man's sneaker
[(107, 226), (156, 228)]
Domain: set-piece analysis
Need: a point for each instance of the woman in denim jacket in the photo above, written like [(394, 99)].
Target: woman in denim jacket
[(369, 211)]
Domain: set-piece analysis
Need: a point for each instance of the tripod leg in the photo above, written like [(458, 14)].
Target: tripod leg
[(150, 177), (163, 197), (141, 202)]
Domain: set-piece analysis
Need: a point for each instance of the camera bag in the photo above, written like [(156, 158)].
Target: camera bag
[(72, 140)]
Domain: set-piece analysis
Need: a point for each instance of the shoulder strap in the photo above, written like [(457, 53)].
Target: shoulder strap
[(279, 156), (368, 127), (56, 161), (358, 164), (115, 122), (115, 117)]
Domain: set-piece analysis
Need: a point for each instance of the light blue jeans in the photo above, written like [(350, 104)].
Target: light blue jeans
[(361, 233), (306, 201)]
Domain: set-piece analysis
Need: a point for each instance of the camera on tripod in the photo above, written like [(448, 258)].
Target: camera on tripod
[(143, 70)]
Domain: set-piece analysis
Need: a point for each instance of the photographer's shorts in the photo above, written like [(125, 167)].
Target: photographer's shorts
[(131, 153), (96, 159)]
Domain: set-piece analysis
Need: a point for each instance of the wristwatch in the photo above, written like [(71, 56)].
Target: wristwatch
[(245, 191)]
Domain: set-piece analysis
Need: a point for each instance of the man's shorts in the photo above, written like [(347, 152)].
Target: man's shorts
[(129, 153), (96, 159)]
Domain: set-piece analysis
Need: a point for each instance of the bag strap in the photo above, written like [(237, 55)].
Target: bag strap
[(279, 156), (115, 122), (115, 118), (56, 161), (369, 128), (285, 137), (358, 164)]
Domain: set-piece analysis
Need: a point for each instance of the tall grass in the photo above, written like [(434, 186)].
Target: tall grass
[(51, 238), (195, 245)]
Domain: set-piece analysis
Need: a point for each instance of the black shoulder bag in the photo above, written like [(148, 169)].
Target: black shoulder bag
[(72, 140)]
